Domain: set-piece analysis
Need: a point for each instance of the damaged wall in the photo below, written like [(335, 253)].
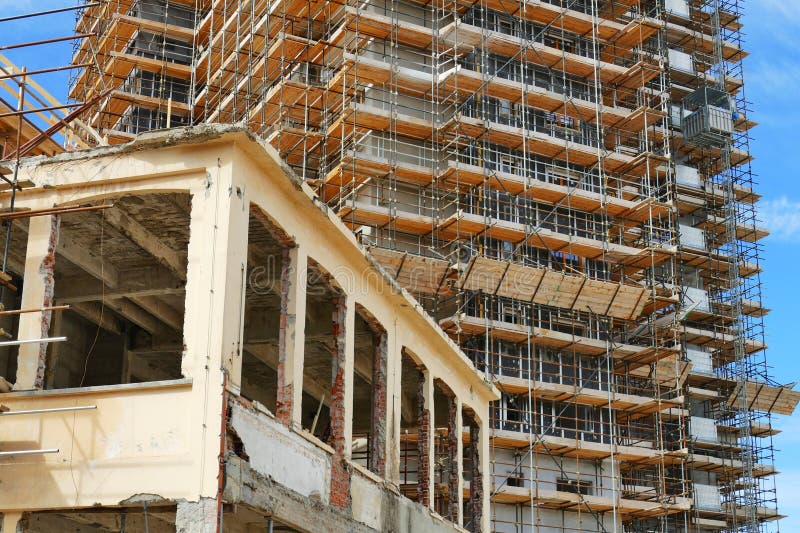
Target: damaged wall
[(137, 434), (274, 451), (274, 469), (171, 432)]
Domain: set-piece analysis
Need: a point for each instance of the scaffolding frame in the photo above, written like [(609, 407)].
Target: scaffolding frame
[(518, 166)]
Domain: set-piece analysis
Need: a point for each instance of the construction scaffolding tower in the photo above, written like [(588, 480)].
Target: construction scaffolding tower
[(565, 185)]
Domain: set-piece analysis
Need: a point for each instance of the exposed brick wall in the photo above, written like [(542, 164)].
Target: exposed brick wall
[(476, 485), (424, 425), (340, 475), (337, 386), (47, 270), (340, 483), (283, 409), (452, 448), (379, 377)]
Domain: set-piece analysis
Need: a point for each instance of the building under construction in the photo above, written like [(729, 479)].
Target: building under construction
[(565, 186)]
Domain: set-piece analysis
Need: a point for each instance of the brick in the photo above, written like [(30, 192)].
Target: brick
[(283, 403), (340, 472), (424, 425), (379, 377)]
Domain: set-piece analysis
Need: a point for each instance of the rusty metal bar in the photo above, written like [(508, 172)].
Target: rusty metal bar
[(23, 311), (37, 110), (49, 12), (51, 410), (32, 341), (29, 452), (52, 211), (52, 130), (43, 71), (47, 41)]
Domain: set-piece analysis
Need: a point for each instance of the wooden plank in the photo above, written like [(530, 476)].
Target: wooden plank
[(414, 272), (763, 397), (554, 288)]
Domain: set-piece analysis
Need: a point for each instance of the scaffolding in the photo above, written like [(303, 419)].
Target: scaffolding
[(565, 185), (738, 395), (32, 123)]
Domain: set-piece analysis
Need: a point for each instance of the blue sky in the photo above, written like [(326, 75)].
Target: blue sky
[(772, 73), (34, 29)]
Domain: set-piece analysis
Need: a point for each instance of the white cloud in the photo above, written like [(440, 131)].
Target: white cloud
[(774, 67), (781, 8), (778, 77), (782, 217)]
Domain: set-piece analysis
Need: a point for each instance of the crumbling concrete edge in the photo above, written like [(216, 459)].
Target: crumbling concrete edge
[(245, 486)]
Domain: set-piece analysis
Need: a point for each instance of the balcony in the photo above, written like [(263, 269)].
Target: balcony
[(568, 501), (465, 225), (465, 325), (548, 287), (463, 37), (502, 177)]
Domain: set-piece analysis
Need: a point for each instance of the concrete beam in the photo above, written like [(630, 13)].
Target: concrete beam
[(165, 313), (266, 350), (93, 312), (262, 323), (154, 281), (135, 285), (273, 229), (142, 237), (135, 314), (156, 349), (102, 520), (79, 256)]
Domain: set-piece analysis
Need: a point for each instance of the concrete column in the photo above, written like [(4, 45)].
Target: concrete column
[(344, 333), (379, 415), (342, 399), (476, 494), (13, 523), (425, 470), (197, 517), (480, 489), (37, 293), (235, 285), (478, 451), (456, 444), (291, 336), (212, 322), (342, 387), (393, 408), (216, 277)]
